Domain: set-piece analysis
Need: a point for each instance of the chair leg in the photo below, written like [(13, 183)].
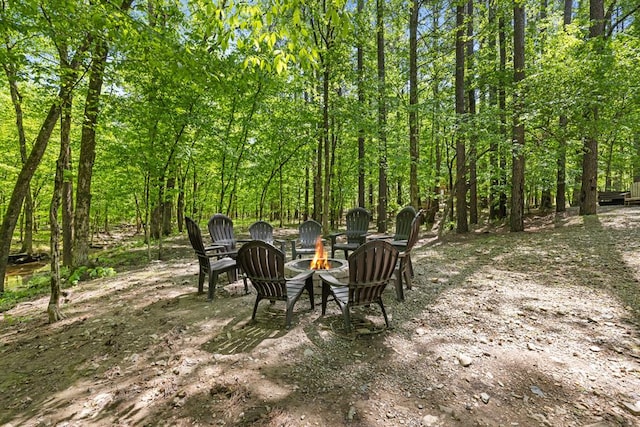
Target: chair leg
[(347, 317), (255, 308), (289, 313), (213, 279), (325, 297), (308, 284), (384, 313), (201, 280), (399, 289)]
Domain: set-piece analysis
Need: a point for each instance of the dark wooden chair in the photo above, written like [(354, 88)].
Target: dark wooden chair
[(263, 264), (356, 233), (404, 272), (262, 230), (404, 218), (221, 231), (371, 267), (305, 244), (211, 264)]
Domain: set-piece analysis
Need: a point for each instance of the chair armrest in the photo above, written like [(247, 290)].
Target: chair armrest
[(213, 248), (301, 277), (327, 278)]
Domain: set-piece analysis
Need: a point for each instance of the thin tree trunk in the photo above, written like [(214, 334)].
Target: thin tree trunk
[(589, 188), (53, 309), (462, 225), (471, 95), (414, 154), (561, 182), (382, 122), (502, 106), (16, 99), (518, 160), (87, 156), (494, 198), (21, 186), (361, 103), (66, 183)]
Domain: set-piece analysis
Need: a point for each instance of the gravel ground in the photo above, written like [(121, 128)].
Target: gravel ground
[(532, 329)]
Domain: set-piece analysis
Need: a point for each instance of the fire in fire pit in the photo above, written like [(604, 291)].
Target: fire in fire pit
[(320, 261)]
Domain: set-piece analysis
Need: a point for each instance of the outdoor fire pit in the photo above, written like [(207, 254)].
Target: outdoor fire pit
[(338, 268)]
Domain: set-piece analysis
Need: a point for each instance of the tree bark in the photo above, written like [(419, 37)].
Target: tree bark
[(471, 95), (462, 225), (361, 104), (561, 181), (53, 309), (518, 160), (22, 185), (382, 122), (87, 156), (414, 153), (66, 186), (502, 106), (589, 187), (16, 99)]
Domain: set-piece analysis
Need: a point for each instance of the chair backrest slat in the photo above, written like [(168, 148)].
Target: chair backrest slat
[(221, 230), (309, 231), (357, 224), (263, 264), (261, 230), (195, 236), (403, 223), (371, 267)]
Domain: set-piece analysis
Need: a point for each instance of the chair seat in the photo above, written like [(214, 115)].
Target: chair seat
[(305, 251), (223, 265)]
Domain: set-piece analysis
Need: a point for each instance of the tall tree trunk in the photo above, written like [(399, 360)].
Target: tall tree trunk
[(53, 309), (361, 104), (494, 154), (325, 151), (382, 122), (589, 188), (462, 225), (517, 169), (16, 99), (317, 176), (167, 206), (21, 186), (473, 139), (87, 156), (414, 154), (66, 184), (502, 106), (561, 182)]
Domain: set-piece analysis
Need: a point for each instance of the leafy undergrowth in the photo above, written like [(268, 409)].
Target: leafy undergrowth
[(533, 328)]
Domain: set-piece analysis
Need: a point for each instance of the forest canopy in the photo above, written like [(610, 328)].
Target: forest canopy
[(144, 112)]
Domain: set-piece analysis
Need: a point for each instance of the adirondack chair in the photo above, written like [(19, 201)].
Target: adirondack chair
[(262, 230), (221, 231), (263, 264), (208, 265), (371, 268), (404, 272), (305, 244), (356, 233), (403, 225), (634, 195)]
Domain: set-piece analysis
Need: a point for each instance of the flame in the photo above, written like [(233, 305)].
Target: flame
[(320, 261)]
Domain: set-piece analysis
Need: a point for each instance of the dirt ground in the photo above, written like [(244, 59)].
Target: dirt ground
[(540, 328)]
